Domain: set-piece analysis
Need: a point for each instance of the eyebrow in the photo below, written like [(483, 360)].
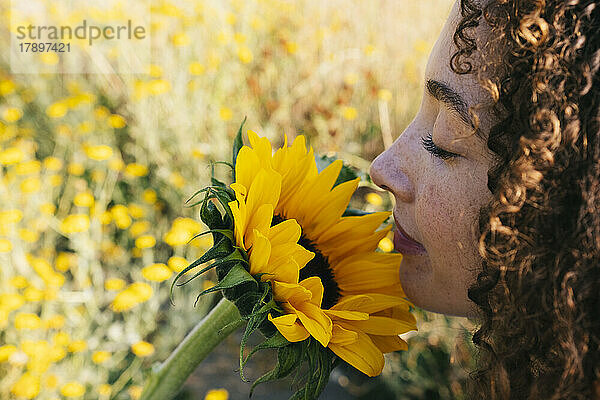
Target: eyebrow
[(442, 92)]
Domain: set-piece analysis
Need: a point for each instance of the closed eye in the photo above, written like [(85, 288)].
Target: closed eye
[(432, 148)]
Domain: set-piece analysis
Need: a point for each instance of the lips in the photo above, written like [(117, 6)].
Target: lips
[(404, 244)]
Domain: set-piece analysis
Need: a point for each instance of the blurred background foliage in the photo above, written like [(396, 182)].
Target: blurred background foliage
[(95, 171)]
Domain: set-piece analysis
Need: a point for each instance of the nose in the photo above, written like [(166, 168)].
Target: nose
[(387, 172)]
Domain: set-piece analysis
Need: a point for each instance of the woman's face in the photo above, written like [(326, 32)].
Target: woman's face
[(438, 198)]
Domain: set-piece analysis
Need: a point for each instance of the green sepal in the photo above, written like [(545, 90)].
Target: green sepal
[(288, 358), (219, 250), (238, 143), (236, 276), (274, 342), (228, 233), (205, 190), (255, 319), (320, 363), (226, 261)]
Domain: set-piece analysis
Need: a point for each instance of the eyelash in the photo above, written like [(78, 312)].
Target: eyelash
[(431, 147)]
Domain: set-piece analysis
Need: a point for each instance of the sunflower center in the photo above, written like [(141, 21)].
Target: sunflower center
[(318, 266)]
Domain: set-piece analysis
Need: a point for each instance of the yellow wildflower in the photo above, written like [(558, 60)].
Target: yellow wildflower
[(77, 346), (386, 245), (12, 114), (64, 261), (75, 223), (225, 113), (156, 272), (51, 381), (76, 169), (18, 282), (139, 227), (57, 110), (121, 216), (6, 351), (177, 264), (27, 321), (11, 301), (33, 294), (72, 389), (5, 246), (149, 196), (53, 163), (47, 208), (217, 394), (145, 242), (245, 55), (12, 155), (117, 121), (61, 338), (28, 167), (136, 170), (349, 113), (27, 386), (136, 211), (54, 322), (112, 284), (101, 356), (31, 185), (196, 68), (99, 152), (104, 389), (84, 199), (135, 392), (142, 349)]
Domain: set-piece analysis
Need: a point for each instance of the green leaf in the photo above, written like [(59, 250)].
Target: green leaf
[(352, 212), (238, 143)]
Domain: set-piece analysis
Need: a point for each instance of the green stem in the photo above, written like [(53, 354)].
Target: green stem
[(166, 380)]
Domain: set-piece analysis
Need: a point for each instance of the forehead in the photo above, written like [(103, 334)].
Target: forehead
[(438, 65)]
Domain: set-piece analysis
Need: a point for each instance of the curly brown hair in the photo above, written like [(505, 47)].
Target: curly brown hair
[(538, 290)]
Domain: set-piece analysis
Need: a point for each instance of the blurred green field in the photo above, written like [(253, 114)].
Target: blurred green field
[(95, 171)]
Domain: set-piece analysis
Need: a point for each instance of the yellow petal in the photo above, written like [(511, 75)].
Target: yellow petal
[(315, 321), (316, 288), (354, 226), (349, 315), (288, 231), (369, 303), (342, 336), (383, 325), (336, 202), (287, 272), (245, 166), (259, 220), (362, 355), (263, 149), (293, 332), (388, 344), (259, 254), (292, 293)]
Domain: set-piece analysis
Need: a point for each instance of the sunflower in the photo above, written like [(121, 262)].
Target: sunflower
[(323, 269)]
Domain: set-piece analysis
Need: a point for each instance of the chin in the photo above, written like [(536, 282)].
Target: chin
[(424, 291)]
